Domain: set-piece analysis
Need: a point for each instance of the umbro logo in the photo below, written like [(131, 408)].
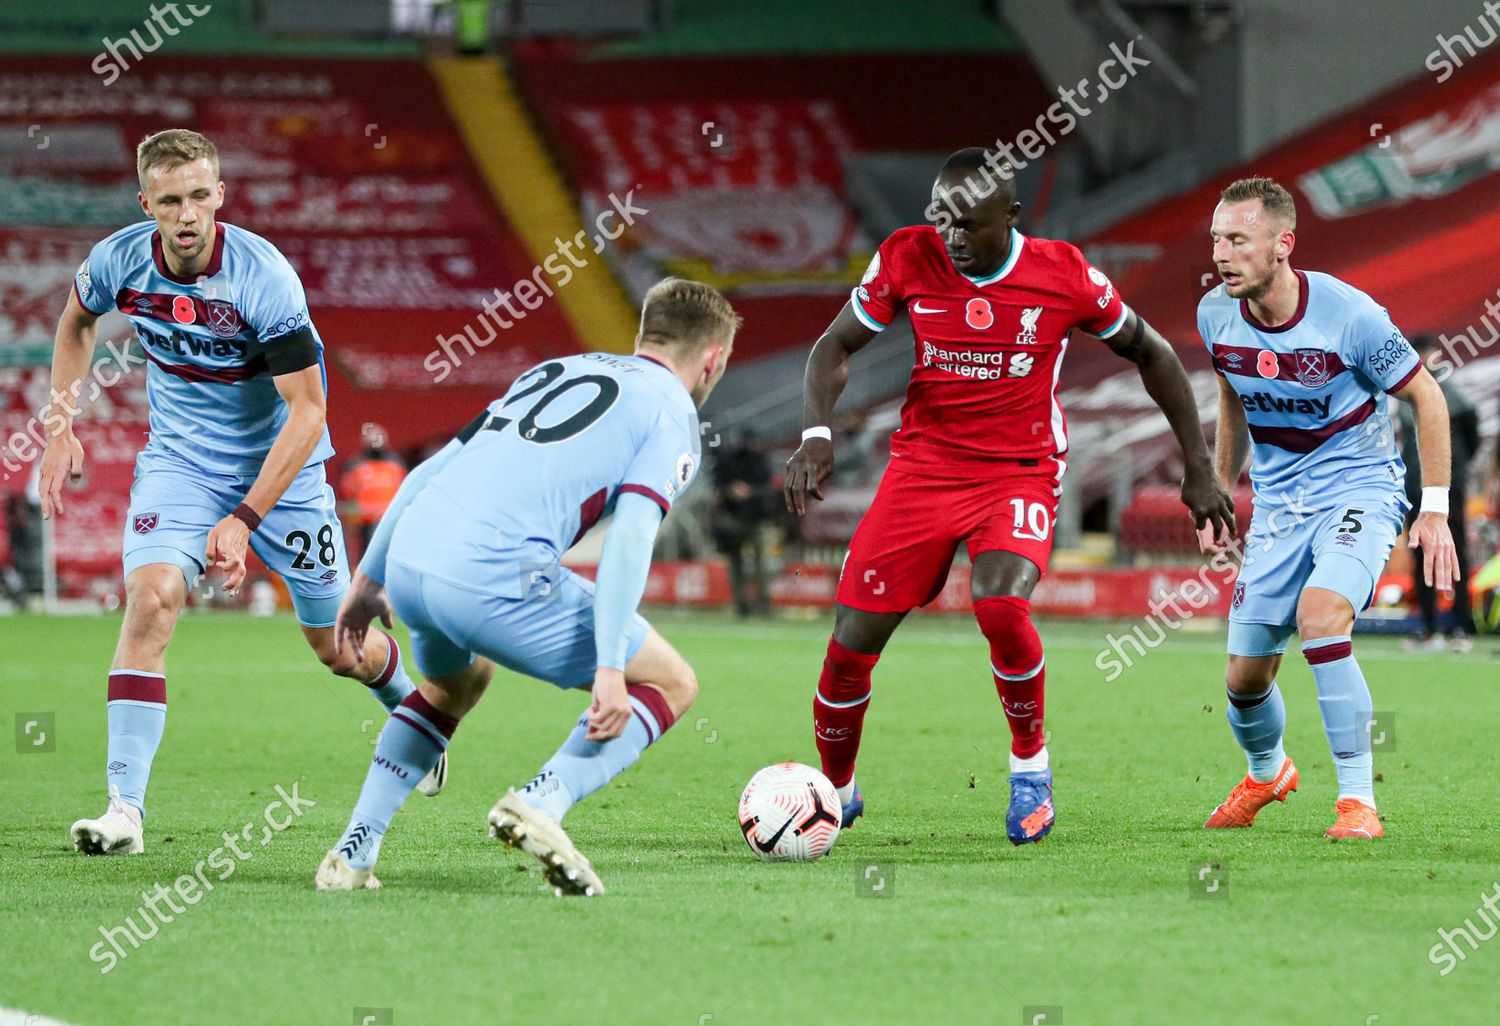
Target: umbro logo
[(116, 768)]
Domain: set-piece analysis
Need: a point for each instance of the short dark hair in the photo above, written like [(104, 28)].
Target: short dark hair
[(1275, 199)]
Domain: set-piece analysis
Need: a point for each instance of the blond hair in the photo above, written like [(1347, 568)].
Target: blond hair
[(686, 316), (1274, 199), (172, 148)]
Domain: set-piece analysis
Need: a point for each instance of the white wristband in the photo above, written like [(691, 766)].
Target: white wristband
[(1435, 500), (818, 432)]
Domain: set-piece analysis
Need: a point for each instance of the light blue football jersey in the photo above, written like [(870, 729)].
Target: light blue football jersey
[(1313, 390), (210, 391), (553, 455)]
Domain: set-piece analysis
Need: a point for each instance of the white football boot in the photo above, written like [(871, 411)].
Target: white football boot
[(335, 874), (543, 838), (433, 782), (117, 832)]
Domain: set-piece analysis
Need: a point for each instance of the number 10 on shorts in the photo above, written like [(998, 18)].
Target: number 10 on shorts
[(1032, 521)]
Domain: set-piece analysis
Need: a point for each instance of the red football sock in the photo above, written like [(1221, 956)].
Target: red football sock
[(1019, 667), (839, 709)]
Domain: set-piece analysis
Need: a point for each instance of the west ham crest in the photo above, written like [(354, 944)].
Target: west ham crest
[(1312, 367), (223, 319), (143, 523), (1239, 595)]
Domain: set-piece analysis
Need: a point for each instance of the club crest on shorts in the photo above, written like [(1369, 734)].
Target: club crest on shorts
[(223, 319), (979, 314), (143, 523), (1239, 595), (1312, 367)]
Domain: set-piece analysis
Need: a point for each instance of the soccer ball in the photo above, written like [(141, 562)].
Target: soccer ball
[(790, 813)]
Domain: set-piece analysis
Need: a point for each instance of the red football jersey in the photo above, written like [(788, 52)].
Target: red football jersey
[(988, 350)]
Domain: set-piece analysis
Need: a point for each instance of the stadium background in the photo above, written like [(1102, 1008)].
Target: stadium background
[(767, 148), (412, 157)]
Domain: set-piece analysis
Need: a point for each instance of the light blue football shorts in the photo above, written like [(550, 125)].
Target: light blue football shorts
[(1343, 549), (548, 635), (174, 504)]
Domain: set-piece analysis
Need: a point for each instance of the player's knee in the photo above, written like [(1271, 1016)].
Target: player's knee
[(1323, 618), (151, 604), (343, 663), (1249, 675), (681, 687)]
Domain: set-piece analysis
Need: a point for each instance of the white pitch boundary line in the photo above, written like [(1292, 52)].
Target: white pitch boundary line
[(16, 1017)]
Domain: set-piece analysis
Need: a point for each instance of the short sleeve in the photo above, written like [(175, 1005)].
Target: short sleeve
[(93, 282), (278, 306), (667, 460), (1204, 331), (1378, 349), (878, 295), (1101, 311)]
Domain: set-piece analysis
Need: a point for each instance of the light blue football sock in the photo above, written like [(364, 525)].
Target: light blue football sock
[(409, 747), (137, 715), (1344, 699), (391, 685), (581, 767), (1257, 722)]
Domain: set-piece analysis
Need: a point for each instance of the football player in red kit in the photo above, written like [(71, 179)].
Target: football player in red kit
[(980, 453)]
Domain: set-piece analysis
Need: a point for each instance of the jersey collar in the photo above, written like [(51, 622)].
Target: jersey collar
[(1017, 241), (663, 366), (214, 261), (1296, 318)]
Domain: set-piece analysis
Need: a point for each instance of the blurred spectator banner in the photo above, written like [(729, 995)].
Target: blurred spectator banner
[(739, 193)]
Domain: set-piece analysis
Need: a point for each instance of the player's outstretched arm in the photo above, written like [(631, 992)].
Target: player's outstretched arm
[(1429, 531), (1231, 450), (827, 374), (72, 355), (307, 410), (1167, 384), (624, 566)]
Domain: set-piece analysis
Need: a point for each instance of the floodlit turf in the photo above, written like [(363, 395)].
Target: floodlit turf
[(1103, 923)]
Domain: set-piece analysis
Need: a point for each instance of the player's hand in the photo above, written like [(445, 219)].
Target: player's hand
[(1211, 506), (1439, 558), (1210, 541), (363, 602), (610, 713), (809, 466), (226, 550), (62, 459)]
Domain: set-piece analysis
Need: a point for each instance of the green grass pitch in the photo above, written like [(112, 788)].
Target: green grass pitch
[(1101, 924)]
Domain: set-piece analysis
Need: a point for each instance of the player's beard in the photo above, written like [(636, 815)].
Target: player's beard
[(1252, 289)]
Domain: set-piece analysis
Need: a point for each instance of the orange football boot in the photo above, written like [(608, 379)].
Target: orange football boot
[(1249, 797), (1355, 820)]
